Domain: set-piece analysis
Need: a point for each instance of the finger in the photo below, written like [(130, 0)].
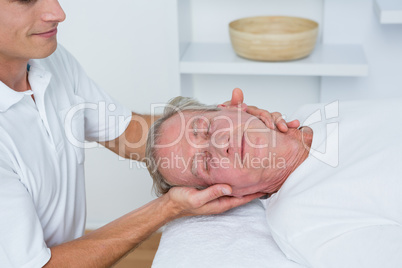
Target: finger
[(280, 122), (263, 115), (243, 107), (225, 104), (281, 125), (225, 203), (234, 202), (294, 124), (237, 97), (211, 193), (240, 106)]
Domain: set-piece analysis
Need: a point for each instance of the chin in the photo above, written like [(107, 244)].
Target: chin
[(45, 51)]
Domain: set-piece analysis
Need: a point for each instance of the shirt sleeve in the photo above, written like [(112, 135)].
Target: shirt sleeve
[(21, 236), (105, 118)]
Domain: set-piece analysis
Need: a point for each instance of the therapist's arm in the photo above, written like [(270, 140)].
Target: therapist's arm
[(131, 144), (105, 246)]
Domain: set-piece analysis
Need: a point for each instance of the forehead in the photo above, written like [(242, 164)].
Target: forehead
[(174, 151), (185, 120), (173, 129)]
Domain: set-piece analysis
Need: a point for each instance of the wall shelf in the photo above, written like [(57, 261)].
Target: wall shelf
[(388, 11), (326, 60)]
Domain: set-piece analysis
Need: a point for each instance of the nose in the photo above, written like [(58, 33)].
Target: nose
[(53, 11)]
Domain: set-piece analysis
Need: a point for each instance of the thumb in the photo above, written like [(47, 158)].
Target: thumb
[(237, 97), (213, 192)]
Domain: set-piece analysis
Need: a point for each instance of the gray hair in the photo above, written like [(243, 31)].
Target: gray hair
[(176, 105)]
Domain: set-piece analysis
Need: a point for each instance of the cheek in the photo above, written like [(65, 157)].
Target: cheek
[(239, 178), (227, 174)]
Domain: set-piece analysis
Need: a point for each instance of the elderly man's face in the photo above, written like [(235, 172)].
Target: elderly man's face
[(225, 146), (28, 28)]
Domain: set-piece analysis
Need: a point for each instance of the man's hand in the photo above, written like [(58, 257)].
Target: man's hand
[(271, 120), (188, 201)]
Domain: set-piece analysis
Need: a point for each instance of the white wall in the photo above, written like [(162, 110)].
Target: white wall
[(130, 49), (125, 47), (210, 19), (355, 22), (274, 93)]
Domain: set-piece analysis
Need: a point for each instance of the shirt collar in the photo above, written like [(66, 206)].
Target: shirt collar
[(38, 78)]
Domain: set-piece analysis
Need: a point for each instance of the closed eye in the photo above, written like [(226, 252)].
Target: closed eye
[(25, 1), (209, 129)]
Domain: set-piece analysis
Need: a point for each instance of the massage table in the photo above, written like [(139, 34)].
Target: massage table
[(237, 238)]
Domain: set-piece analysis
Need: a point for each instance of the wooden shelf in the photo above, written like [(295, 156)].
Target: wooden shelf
[(326, 60), (389, 11)]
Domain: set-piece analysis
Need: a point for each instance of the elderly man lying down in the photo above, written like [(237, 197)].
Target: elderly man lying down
[(335, 184)]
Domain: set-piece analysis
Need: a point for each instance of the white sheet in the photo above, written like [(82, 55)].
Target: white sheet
[(347, 212), (237, 238)]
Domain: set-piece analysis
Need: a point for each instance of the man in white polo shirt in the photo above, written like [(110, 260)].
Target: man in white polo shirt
[(48, 106)]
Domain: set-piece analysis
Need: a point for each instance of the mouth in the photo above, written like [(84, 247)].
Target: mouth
[(242, 148), (48, 33)]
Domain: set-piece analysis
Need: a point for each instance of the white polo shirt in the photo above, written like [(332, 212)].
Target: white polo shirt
[(42, 189)]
